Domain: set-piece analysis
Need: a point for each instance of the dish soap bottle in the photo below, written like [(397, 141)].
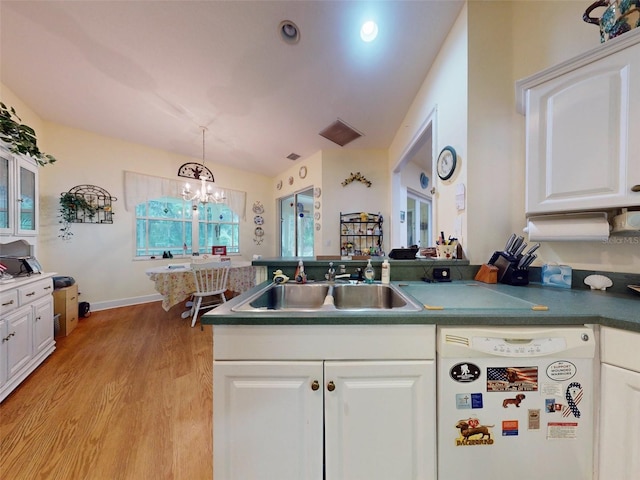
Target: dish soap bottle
[(369, 274), (386, 272)]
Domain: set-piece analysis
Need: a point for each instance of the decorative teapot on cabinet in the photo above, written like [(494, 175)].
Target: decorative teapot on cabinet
[(619, 17)]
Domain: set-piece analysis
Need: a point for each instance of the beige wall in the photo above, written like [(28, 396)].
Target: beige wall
[(337, 165), (444, 92)]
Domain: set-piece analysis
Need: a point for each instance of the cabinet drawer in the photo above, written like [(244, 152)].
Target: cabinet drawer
[(620, 348), (9, 301), (35, 290)]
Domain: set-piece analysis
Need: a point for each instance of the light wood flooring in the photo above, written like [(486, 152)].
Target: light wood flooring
[(127, 395)]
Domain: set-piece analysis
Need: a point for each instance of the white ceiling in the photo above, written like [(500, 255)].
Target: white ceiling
[(153, 72)]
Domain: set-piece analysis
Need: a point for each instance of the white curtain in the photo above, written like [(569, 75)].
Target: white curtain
[(139, 188)]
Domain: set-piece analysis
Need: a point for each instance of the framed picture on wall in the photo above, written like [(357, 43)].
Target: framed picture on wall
[(219, 250)]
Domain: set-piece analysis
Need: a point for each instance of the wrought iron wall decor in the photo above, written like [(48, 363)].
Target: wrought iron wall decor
[(87, 204)]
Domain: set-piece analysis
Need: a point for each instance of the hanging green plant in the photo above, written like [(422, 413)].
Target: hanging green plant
[(70, 206), (21, 138)]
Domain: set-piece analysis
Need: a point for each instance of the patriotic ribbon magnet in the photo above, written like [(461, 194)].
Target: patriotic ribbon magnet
[(574, 396)]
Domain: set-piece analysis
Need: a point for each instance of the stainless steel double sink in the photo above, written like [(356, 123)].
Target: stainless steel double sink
[(324, 296)]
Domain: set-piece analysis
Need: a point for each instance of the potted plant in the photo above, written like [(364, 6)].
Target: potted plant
[(21, 138), (70, 206)]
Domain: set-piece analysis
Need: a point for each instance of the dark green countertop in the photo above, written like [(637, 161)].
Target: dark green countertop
[(482, 304)]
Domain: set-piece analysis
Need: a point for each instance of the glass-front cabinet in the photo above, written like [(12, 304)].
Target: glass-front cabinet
[(18, 195)]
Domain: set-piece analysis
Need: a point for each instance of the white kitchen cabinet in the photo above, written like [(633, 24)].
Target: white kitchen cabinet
[(18, 196), (18, 340), (43, 328), (354, 402), (582, 124), (378, 420), (619, 443), (26, 329), (268, 420)]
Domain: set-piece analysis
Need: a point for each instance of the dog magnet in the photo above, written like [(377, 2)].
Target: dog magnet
[(473, 433)]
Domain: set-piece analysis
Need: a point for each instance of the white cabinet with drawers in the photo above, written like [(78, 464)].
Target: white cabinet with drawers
[(26, 329)]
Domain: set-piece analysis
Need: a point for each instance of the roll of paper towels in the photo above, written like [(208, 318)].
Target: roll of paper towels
[(570, 227)]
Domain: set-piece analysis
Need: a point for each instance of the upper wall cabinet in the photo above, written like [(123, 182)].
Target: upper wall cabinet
[(18, 196), (583, 130)]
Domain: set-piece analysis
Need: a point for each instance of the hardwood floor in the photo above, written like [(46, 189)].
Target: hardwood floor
[(127, 395)]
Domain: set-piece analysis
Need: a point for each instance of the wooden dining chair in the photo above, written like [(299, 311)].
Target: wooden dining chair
[(211, 283)]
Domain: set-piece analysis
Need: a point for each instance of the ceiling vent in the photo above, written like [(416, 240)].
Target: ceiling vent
[(340, 133), (293, 156)]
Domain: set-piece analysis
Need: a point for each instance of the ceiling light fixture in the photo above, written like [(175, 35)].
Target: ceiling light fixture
[(369, 31), (289, 32), (200, 172)]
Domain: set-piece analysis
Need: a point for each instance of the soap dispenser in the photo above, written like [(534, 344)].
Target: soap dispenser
[(385, 276), (369, 274)]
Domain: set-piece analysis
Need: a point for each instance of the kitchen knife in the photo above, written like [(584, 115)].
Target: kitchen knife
[(522, 262), (518, 241), (532, 257), (520, 249), (533, 249), (512, 239)]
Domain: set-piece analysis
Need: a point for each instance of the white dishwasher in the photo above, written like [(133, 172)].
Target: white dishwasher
[(515, 402)]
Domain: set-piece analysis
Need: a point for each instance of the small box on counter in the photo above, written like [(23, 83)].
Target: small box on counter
[(556, 275)]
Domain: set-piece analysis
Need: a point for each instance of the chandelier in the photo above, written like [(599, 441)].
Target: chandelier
[(198, 171)]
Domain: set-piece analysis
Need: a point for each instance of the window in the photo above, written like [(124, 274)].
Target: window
[(170, 224)]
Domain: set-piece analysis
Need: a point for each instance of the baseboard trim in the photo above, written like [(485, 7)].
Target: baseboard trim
[(125, 302)]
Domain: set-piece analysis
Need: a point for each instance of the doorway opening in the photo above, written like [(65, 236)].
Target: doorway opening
[(297, 224), (418, 220)]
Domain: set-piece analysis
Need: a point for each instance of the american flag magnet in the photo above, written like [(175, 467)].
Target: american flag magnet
[(512, 379)]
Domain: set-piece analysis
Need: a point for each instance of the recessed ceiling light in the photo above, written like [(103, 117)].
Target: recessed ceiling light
[(289, 32), (369, 31)]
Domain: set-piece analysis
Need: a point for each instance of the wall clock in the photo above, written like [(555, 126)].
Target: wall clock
[(446, 164)]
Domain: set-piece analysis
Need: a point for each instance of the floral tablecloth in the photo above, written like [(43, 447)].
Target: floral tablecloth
[(176, 285)]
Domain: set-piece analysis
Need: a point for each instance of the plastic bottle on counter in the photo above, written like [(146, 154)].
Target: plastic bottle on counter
[(386, 272), (369, 273)]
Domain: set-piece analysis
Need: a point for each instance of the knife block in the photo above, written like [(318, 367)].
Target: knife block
[(515, 276), (487, 274)]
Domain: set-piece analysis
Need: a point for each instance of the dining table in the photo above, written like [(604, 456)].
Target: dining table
[(176, 283)]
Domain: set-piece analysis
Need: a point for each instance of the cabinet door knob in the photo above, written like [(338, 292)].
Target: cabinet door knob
[(635, 188), (315, 385), (331, 386)]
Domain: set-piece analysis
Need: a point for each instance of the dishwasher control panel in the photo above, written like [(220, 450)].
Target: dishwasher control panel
[(519, 347)]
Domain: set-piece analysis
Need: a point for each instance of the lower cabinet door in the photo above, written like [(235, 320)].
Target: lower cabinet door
[(42, 324), (380, 420), (619, 424), (19, 340), (267, 419)]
